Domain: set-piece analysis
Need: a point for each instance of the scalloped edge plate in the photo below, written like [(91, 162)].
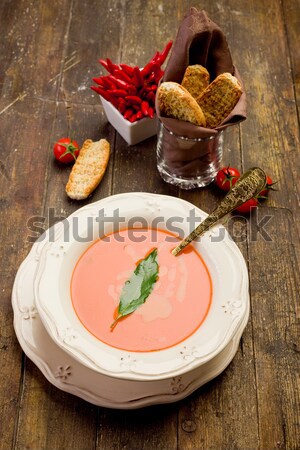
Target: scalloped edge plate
[(59, 257), (67, 374)]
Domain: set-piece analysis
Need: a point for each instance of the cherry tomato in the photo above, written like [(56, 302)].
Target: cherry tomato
[(246, 207), (66, 150), (227, 177), (268, 187)]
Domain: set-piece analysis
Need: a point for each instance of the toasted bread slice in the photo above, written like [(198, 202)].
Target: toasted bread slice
[(195, 80), (88, 169), (219, 99), (175, 101)]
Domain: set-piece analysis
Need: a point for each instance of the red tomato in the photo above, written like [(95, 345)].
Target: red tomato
[(246, 207), (227, 177), (268, 187), (66, 150)]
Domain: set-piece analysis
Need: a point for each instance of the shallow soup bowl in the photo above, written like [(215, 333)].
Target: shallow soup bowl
[(129, 377)]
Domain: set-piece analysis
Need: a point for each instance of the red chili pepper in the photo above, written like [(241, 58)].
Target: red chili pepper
[(151, 112), (102, 92), (147, 87), (148, 68), (155, 76), (127, 69), (163, 55), (123, 76), (151, 96), (108, 84), (98, 89), (142, 92), (155, 70), (145, 108), (155, 57), (104, 64), (106, 95), (132, 90), (133, 99), (111, 66), (98, 81), (128, 113), (120, 83), (133, 118), (121, 105), (118, 92), (151, 77), (137, 77)]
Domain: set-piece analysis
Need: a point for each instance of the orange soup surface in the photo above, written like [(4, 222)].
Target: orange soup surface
[(176, 307)]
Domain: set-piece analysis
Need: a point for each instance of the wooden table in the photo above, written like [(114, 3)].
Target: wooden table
[(49, 53)]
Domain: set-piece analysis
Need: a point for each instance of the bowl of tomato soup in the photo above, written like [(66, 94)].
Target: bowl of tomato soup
[(112, 296), (175, 308)]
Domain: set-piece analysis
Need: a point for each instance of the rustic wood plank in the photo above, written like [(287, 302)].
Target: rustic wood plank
[(50, 418), (32, 49), (269, 139), (136, 162), (19, 149), (291, 14), (145, 429), (11, 362), (95, 32)]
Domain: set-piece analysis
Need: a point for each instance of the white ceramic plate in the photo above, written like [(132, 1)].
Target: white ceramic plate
[(69, 375), (52, 291)]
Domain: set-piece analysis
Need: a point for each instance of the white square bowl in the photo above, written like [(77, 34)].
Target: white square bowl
[(132, 133)]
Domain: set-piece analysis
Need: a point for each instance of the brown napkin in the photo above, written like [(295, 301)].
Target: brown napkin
[(201, 41), (198, 41)]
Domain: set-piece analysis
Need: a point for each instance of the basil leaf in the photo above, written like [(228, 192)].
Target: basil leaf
[(138, 287)]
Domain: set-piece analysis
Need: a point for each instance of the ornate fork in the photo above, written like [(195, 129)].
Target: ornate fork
[(250, 184)]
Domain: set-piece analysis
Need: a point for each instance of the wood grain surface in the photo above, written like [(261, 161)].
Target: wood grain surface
[(48, 55)]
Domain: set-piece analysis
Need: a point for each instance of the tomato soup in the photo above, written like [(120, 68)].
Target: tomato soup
[(175, 308)]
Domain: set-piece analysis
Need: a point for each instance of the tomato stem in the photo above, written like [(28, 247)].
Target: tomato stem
[(228, 178), (70, 149)]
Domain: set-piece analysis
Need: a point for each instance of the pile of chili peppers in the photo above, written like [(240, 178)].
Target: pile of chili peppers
[(130, 89)]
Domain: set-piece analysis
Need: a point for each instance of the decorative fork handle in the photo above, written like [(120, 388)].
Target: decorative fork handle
[(250, 184)]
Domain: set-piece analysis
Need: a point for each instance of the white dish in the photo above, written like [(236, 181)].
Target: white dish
[(52, 292), (132, 133), (69, 375)]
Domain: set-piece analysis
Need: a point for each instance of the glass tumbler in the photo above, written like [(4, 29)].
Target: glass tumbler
[(188, 163)]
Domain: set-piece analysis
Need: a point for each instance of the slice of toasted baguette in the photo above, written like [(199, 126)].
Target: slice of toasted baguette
[(195, 80), (88, 169), (219, 99), (175, 101)]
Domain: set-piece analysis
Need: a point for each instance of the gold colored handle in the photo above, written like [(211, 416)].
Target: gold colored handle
[(250, 184)]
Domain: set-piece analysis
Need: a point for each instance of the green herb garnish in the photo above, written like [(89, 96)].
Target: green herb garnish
[(138, 287)]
